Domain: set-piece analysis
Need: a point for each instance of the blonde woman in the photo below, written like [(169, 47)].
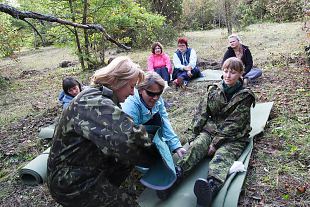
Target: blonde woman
[(242, 52), (96, 144)]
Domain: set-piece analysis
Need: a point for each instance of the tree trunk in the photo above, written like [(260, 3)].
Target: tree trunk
[(228, 16), (86, 39), (77, 39)]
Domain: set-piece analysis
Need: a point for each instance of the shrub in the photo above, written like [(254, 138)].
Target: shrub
[(284, 10)]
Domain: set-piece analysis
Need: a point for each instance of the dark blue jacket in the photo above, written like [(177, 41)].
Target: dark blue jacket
[(187, 55)]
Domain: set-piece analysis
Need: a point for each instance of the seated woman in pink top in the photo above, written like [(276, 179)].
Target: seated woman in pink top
[(159, 62)]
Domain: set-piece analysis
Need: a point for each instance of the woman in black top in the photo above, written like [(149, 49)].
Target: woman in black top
[(242, 52)]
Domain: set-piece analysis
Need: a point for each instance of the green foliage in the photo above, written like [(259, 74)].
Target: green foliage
[(198, 15), (171, 9), (206, 14), (10, 37), (132, 24), (246, 14), (284, 10)]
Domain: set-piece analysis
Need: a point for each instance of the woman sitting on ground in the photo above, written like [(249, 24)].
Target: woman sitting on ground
[(185, 64), (236, 49), (159, 62), (220, 129)]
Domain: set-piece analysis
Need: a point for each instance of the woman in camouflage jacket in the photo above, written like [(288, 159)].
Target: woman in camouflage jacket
[(220, 130), (96, 145)]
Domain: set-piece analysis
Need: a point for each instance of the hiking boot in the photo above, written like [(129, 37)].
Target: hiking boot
[(205, 191), (164, 194), (177, 82)]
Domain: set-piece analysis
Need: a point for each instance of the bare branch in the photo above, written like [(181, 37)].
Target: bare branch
[(33, 27), (33, 15)]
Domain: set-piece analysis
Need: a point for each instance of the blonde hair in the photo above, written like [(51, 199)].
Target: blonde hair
[(118, 73), (150, 79), (233, 63), (234, 36)]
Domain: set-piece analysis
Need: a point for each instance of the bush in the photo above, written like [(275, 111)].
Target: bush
[(285, 10), (10, 38), (135, 26)]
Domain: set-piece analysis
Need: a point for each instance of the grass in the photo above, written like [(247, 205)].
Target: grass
[(280, 165)]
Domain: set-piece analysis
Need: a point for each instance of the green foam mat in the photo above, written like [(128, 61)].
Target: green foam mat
[(229, 194)]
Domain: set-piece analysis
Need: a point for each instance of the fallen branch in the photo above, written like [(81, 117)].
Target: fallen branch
[(22, 15)]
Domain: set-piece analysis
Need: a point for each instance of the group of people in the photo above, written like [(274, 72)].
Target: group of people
[(185, 62), (103, 132)]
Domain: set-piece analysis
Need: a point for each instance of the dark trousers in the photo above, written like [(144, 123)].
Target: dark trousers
[(177, 73), (163, 72)]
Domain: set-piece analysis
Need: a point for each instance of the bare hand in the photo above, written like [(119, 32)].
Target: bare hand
[(188, 68), (181, 152), (211, 150), (189, 73)]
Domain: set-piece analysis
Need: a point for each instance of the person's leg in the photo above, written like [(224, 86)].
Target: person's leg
[(178, 77), (164, 74), (195, 73), (223, 159), (105, 194), (176, 72), (254, 73), (206, 189), (197, 151), (158, 71), (98, 191)]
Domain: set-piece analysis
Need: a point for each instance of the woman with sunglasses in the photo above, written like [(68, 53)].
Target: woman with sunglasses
[(147, 107)]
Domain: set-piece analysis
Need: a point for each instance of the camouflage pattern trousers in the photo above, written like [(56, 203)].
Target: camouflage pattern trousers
[(99, 193), (220, 163)]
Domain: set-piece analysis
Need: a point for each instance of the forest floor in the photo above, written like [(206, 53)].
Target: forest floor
[(279, 169)]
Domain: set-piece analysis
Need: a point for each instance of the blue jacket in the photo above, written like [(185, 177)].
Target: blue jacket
[(64, 99), (140, 114)]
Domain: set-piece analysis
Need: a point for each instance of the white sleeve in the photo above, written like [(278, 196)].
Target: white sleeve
[(177, 62), (193, 58)]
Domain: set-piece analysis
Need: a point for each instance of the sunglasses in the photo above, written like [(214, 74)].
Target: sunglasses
[(152, 94)]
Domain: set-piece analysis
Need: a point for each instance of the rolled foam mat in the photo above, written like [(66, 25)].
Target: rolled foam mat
[(35, 172)]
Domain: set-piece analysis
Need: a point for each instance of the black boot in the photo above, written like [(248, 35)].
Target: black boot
[(205, 191), (164, 194)]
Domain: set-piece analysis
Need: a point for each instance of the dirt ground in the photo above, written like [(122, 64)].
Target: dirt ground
[(285, 84)]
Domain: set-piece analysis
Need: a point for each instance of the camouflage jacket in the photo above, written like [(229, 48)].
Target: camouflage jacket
[(95, 136), (224, 120)]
